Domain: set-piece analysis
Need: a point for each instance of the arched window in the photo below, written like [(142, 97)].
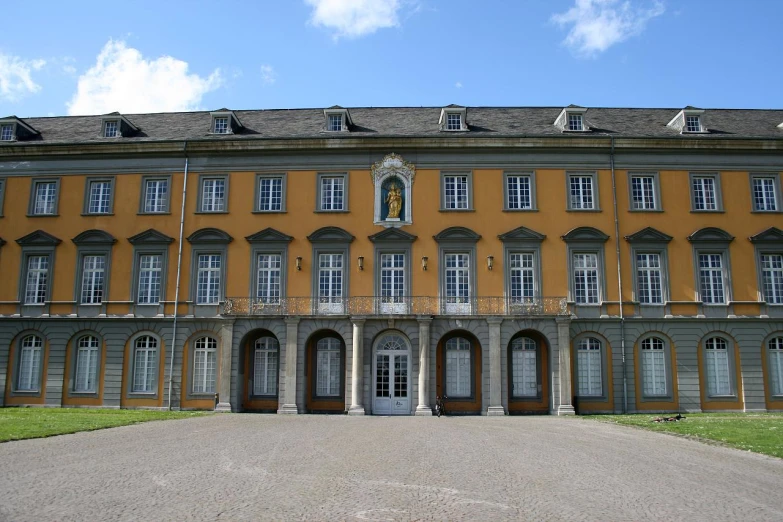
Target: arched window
[(145, 357), (204, 365), (265, 362), (776, 364), (588, 363), (654, 381), (30, 364), (716, 363), (458, 368), (87, 357), (328, 364), (524, 374)]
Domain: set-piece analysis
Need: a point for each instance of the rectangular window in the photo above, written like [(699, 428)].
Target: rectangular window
[(208, 282), (100, 197), (333, 193), (453, 122), (111, 129), (764, 197), (654, 371), (335, 122), (772, 278), (588, 362), (586, 278), (204, 365), (156, 195), (265, 367), (213, 195), (581, 193), (45, 198), (648, 279), (87, 365), (144, 369), (711, 277), (150, 270), (692, 124), (30, 364), (93, 269), (575, 122), (457, 283), (37, 280), (458, 371), (705, 196), (392, 283), (522, 273), (330, 283), (455, 191), (7, 133), (221, 126), (328, 379), (519, 192), (268, 281), (270, 194), (643, 193), (717, 364)]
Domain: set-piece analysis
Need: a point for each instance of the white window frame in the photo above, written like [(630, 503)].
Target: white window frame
[(150, 287), (334, 122), (646, 275), (328, 380), (221, 125), (37, 279), (28, 378), (457, 284), (771, 276), (270, 193), (589, 353), (45, 203), (100, 201), (775, 365), (111, 129), (392, 282), (582, 191), (708, 293), (522, 269), (93, 279), (453, 121), (459, 368), (692, 123), (581, 274), (456, 191), (213, 194), (524, 351), (266, 363), (654, 352), (768, 199), (145, 364), (7, 132), (332, 193), (645, 192), (269, 277), (716, 361), (330, 282), (157, 200), (204, 365), (209, 278), (514, 191), (697, 185), (88, 355), (575, 122)]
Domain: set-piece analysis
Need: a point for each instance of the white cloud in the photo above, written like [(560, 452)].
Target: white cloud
[(123, 80), (354, 18), (16, 79), (268, 75), (458, 85), (599, 24)]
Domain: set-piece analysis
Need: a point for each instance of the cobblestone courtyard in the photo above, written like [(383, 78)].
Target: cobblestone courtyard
[(265, 467)]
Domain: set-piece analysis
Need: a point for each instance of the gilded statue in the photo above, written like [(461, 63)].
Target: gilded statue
[(394, 200)]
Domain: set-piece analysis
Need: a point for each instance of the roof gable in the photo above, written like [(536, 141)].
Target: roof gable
[(456, 234), (585, 234), (268, 234), (150, 237), (710, 234), (212, 236), (392, 234), (522, 234), (39, 237), (94, 237), (770, 235), (330, 234), (648, 235)]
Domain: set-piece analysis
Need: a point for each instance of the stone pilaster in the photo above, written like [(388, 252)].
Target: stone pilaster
[(564, 350), (424, 367), (226, 347), (291, 346), (357, 368), (495, 402)]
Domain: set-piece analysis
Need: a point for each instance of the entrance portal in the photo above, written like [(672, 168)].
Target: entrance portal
[(391, 371)]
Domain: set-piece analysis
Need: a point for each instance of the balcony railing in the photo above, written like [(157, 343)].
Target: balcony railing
[(403, 305)]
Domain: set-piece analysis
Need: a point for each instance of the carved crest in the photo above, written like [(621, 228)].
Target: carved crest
[(393, 164)]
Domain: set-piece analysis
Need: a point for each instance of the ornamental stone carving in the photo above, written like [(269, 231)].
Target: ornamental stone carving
[(393, 181)]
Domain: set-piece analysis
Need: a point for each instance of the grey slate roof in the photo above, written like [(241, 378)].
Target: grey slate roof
[(410, 122)]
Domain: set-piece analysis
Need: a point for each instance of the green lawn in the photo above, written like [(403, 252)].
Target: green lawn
[(758, 432), (32, 423)]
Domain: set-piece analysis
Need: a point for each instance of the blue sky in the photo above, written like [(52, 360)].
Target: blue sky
[(58, 58)]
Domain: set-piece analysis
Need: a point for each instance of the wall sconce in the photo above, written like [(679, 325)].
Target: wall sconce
[(490, 262), (298, 263), (360, 259), (424, 263)]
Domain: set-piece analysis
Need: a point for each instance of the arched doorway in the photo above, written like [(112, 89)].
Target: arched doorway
[(325, 373), (528, 382), (459, 373), (391, 375), (261, 364)]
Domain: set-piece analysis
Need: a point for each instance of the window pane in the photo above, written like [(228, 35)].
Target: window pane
[(524, 373), (265, 366), (776, 364), (30, 363), (518, 191), (328, 367), (586, 278), (458, 370), (93, 269), (704, 196), (145, 361), (45, 196), (100, 197), (87, 356), (648, 278), (589, 367), (581, 191), (764, 194), (711, 278), (155, 195), (213, 195), (332, 193), (204, 365), (37, 279), (716, 362), (653, 367), (270, 194), (455, 192), (268, 278), (208, 282), (150, 270), (772, 278)]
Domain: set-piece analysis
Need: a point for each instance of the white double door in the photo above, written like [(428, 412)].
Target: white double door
[(391, 379)]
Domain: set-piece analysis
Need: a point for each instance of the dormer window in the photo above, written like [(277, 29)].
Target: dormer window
[(572, 119), (693, 123), (575, 122), (452, 118), (7, 132), (221, 126), (688, 120), (111, 129), (338, 119), (225, 121)]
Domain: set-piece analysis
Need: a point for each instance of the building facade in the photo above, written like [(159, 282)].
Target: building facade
[(367, 260)]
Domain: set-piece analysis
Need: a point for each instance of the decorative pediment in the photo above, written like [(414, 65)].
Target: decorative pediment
[(522, 234), (267, 235), (457, 234), (648, 235), (710, 234), (213, 236), (39, 237), (330, 234), (585, 234), (150, 237), (393, 165), (94, 237), (392, 234), (770, 235)]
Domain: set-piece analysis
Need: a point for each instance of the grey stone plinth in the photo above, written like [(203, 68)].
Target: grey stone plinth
[(356, 410), (423, 411), (565, 409), (495, 411), (288, 409), (224, 407)]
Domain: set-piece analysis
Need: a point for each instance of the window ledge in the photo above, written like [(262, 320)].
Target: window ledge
[(142, 395), (43, 215), (693, 211), (636, 210), (97, 214), (456, 210), (520, 210), (719, 398), (583, 210), (286, 212), (766, 211), (27, 393), (153, 213), (84, 393), (319, 211), (211, 212)]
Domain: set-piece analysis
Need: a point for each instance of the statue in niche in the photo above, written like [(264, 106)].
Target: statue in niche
[(394, 200)]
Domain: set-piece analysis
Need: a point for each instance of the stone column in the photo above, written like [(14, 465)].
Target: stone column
[(291, 350), (564, 350), (226, 347), (357, 368), (424, 367), (495, 402)]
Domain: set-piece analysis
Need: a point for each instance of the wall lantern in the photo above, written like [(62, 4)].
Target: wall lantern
[(361, 262), (490, 262), (424, 263), (298, 263)]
